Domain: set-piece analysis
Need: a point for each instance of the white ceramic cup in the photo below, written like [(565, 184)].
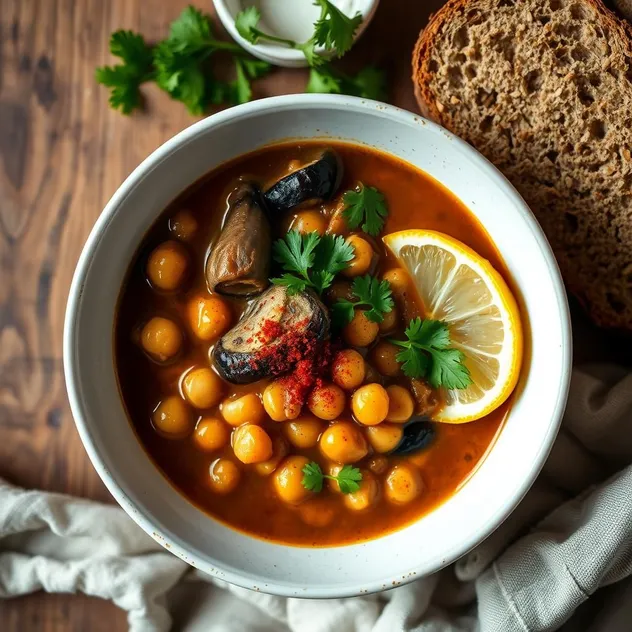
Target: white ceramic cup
[(278, 54), (438, 538)]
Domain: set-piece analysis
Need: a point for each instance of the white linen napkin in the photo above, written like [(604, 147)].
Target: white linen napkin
[(571, 536)]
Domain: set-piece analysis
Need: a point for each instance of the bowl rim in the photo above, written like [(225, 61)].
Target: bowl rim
[(232, 115)]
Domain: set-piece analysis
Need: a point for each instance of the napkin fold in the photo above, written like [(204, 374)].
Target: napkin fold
[(569, 538)]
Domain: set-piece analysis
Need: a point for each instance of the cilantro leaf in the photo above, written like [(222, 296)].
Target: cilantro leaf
[(293, 284), (427, 354), (255, 68), (310, 260), (125, 79), (348, 478), (448, 370), (190, 31), (296, 252), (369, 83), (313, 477), (321, 80), (333, 253), (241, 86), (372, 294), (366, 206), (334, 30), (246, 24)]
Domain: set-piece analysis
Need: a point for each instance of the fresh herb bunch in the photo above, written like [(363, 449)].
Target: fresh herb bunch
[(310, 261), (335, 32), (348, 478), (427, 354), (180, 65), (371, 293), (365, 206)]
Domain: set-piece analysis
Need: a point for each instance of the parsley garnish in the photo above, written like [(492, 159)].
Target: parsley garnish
[(365, 206), (427, 354), (335, 32), (348, 478), (371, 293), (180, 65), (125, 79), (310, 260)]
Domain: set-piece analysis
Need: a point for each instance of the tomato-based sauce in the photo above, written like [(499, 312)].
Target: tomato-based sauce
[(415, 200)]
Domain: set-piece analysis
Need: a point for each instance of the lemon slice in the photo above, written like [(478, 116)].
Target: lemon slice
[(459, 287)]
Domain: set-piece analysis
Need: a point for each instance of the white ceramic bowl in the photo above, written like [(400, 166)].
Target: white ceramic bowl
[(439, 538), (295, 24)]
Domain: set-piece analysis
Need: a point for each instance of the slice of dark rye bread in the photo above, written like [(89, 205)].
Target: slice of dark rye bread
[(543, 88)]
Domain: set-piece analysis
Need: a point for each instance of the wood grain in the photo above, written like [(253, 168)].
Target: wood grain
[(63, 152)]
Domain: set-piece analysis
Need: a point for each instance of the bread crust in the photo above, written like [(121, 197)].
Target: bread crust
[(602, 312)]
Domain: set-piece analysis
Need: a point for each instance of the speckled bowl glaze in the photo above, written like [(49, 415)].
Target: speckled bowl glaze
[(475, 510)]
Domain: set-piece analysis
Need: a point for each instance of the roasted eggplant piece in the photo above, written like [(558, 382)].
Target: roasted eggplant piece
[(417, 436), (272, 329), (317, 181), (239, 262)]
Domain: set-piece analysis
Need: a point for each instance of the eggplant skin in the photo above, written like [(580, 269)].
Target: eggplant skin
[(317, 181), (240, 355), (239, 262), (417, 436)]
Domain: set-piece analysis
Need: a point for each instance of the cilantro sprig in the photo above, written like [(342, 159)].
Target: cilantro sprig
[(365, 206), (180, 65), (371, 293), (348, 478), (310, 261), (333, 30), (427, 354)]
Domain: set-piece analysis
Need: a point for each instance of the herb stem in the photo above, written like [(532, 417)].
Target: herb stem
[(273, 38)]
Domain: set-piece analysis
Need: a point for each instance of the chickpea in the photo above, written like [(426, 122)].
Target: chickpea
[(370, 404), (225, 476), (362, 257), (378, 464), (384, 357), (172, 418), (280, 449), (343, 442), (347, 369), (361, 331), (183, 225), (161, 338), (385, 437), (209, 317), (327, 402), (304, 431), (366, 496), (241, 410), (167, 266), (278, 402), (202, 387), (317, 512), (338, 291), (309, 222), (288, 480), (390, 321), (252, 444), (399, 281), (211, 434), (400, 404), (403, 484)]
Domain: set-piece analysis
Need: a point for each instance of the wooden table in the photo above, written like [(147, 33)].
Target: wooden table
[(63, 153)]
